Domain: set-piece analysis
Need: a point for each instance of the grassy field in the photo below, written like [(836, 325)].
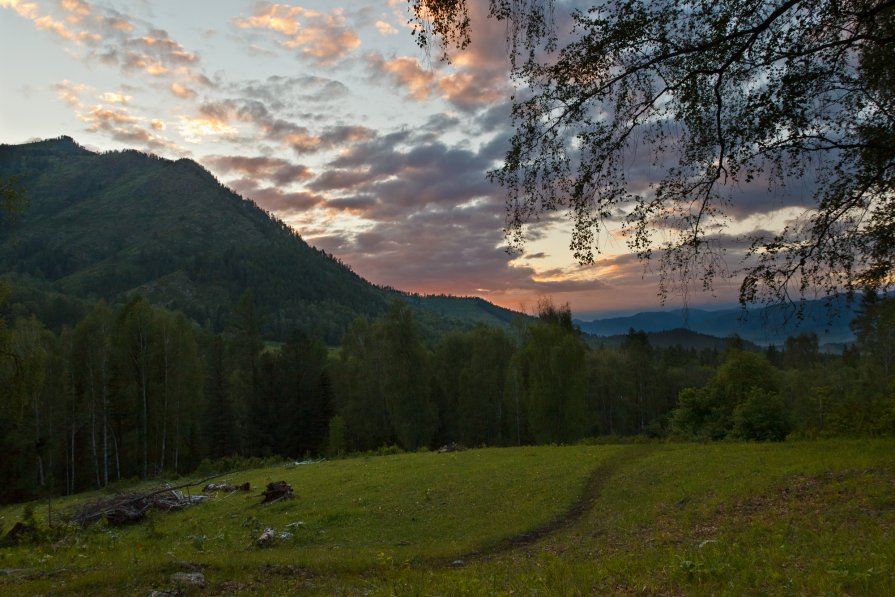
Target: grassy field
[(811, 518)]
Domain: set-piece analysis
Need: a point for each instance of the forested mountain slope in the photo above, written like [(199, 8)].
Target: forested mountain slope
[(113, 224)]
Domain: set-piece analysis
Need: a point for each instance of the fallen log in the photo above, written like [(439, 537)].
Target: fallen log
[(226, 487)]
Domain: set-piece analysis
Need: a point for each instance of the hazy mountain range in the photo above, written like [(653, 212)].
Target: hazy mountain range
[(762, 326)]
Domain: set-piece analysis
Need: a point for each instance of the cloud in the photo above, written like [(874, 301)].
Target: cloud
[(196, 129), (154, 53), (476, 78), (114, 39), (407, 179), (182, 91), (469, 89), (31, 12), (115, 98), (323, 37), (385, 29), (473, 89), (220, 115), (276, 200), (404, 71), (121, 125), (279, 92), (277, 170), (71, 93)]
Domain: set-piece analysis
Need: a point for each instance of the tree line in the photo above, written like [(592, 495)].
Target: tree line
[(135, 391)]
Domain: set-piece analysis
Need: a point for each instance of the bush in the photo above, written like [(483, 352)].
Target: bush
[(762, 416)]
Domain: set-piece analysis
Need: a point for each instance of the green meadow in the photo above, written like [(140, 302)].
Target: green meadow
[(813, 518)]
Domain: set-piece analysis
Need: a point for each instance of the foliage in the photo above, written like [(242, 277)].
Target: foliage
[(767, 94), (552, 364), (470, 376), (12, 201), (740, 401), (762, 416), (384, 383), (336, 442)]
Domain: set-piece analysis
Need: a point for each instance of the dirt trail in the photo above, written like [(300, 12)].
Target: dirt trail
[(585, 502)]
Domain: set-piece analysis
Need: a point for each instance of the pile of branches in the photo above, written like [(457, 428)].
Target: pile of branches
[(126, 508)]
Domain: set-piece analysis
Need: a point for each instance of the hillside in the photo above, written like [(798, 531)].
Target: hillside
[(114, 224), (804, 518), (671, 338)]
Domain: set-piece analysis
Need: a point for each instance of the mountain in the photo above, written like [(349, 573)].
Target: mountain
[(763, 326), (670, 338), (111, 225)]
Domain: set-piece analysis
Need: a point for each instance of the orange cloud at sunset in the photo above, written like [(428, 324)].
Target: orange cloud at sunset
[(70, 92), (182, 91), (321, 36), (195, 130), (121, 124), (407, 72), (30, 11), (77, 8)]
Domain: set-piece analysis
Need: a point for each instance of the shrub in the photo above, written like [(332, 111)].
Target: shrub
[(762, 416)]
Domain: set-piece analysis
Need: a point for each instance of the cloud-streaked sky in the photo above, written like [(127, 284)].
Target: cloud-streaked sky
[(325, 114)]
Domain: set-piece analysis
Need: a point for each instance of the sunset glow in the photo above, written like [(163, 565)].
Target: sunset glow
[(327, 117)]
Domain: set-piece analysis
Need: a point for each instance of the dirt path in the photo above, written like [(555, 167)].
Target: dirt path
[(581, 506)]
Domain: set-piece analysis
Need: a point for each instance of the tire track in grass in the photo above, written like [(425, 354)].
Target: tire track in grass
[(585, 502)]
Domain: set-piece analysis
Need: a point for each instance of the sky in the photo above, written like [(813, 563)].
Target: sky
[(327, 115)]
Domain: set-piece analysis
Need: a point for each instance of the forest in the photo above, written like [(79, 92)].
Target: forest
[(136, 391)]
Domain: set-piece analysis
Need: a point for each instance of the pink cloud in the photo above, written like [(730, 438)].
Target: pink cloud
[(324, 37), (405, 71), (182, 91)]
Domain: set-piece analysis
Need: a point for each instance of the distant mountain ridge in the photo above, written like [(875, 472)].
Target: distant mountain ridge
[(762, 326), (110, 225)]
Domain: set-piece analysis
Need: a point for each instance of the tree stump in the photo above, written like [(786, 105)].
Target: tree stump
[(276, 491)]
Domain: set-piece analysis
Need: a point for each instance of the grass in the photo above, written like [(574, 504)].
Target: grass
[(796, 518)]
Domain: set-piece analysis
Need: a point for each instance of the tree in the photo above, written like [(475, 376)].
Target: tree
[(724, 93), (470, 379), (740, 401), (12, 201), (405, 379), (135, 336), (220, 424), (762, 416), (359, 395), (305, 407), (93, 355), (875, 328), (639, 370), (553, 358)]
